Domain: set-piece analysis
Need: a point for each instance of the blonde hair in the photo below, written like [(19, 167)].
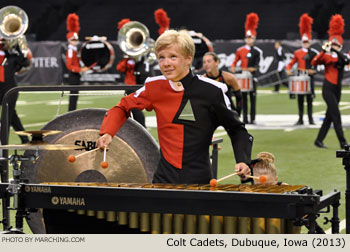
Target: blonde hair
[(266, 165), (181, 38)]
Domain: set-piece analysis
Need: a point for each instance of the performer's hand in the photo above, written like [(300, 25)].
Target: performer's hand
[(232, 69), (84, 69), (311, 71), (251, 69), (289, 72), (104, 141), (242, 169)]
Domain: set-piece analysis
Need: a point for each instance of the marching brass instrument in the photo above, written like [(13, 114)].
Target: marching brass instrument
[(13, 25), (134, 40)]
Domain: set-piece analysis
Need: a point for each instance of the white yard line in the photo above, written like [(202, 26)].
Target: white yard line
[(342, 226)]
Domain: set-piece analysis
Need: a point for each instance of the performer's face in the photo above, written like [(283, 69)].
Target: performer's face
[(336, 47), (210, 64), (270, 179), (306, 44), (173, 64), (249, 41)]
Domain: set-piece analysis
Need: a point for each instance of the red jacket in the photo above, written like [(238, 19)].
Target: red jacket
[(72, 60), (299, 57), (241, 54), (328, 60), (127, 66)]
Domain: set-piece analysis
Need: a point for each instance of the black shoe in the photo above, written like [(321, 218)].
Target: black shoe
[(252, 122), (299, 122), (245, 121), (342, 145), (312, 122), (319, 144)]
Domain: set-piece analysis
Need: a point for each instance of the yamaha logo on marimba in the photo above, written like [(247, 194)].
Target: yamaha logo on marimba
[(37, 189), (71, 201)]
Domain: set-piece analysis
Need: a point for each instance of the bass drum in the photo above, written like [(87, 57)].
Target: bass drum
[(132, 156), (97, 53)]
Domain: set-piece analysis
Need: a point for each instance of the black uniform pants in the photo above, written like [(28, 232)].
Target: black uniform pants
[(331, 94), (73, 79), (301, 106), (13, 118), (252, 96)]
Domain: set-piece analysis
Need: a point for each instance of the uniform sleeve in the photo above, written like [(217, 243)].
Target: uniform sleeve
[(241, 140), (292, 62), (117, 116), (237, 58), (70, 62)]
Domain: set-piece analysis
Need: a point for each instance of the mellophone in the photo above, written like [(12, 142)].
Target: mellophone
[(165, 208)]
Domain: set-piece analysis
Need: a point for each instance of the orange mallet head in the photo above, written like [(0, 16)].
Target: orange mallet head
[(262, 179), (213, 182), (71, 158), (104, 165)]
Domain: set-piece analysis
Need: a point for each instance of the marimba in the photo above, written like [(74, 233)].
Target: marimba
[(165, 208)]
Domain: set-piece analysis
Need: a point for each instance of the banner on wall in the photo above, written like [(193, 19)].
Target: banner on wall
[(49, 62)]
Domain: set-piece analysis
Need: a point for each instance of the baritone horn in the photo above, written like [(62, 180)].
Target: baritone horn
[(13, 25), (134, 40)]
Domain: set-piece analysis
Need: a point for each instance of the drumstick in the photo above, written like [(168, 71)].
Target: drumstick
[(92, 65), (104, 164), (72, 158), (213, 182)]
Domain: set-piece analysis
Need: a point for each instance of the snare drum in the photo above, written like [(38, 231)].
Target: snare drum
[(99, 52), (245, 81), (299, 84)]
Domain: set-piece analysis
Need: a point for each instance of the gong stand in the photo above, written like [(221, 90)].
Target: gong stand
[(15, 189), (345, 155)]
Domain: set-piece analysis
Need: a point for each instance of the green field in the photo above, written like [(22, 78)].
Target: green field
[(297, 160)]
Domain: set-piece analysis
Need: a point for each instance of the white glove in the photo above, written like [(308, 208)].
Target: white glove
[(327, 46)]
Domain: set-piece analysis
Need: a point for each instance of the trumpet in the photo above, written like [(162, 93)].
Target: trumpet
[(134, 40)]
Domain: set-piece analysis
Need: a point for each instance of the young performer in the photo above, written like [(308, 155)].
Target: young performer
[(188, 108), (211, 63), (303, 57), (250, 56), (334, 61)]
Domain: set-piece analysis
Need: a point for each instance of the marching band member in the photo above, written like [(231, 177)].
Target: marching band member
[(134, 73), (250, 56), (211, 62), (188, 109), (72, 59), (303, 57), (280, 58), (334, 61), (12, 61)]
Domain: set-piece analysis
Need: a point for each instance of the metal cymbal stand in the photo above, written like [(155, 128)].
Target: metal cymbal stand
[(15, 189), (345, 155)]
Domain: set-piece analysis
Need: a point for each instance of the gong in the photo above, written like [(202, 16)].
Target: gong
[(133, 155)]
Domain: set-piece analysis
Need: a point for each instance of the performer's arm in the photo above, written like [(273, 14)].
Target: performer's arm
[(117, 116), (241, 140), (69, 62)]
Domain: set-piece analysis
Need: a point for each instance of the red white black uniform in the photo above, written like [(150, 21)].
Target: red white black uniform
[(303, 58), (334, 63), (249, 57), (73, 66), (186, 122), (10, 63)]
